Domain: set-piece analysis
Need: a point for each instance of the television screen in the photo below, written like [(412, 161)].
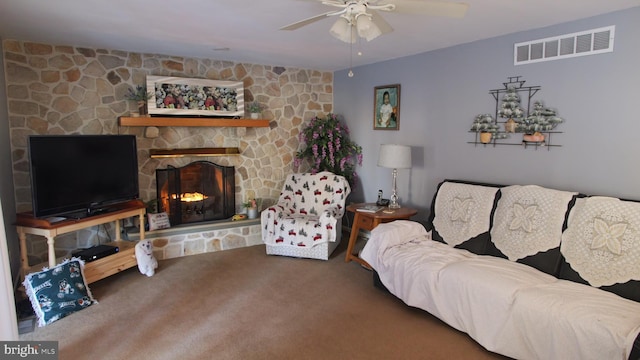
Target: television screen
[(76, 175)]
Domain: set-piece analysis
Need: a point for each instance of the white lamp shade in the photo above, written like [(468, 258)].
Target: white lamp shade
[(342, 30), (366, 28), (394, 156)]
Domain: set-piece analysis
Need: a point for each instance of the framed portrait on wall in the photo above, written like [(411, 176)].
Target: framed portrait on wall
[(386, 107)]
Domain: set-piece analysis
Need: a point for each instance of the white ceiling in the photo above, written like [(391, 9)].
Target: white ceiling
[(249, 29)]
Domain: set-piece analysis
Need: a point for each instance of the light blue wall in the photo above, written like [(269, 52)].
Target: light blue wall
[(442, 91)]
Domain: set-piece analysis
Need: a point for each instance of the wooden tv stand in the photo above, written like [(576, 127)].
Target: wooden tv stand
[(125, 258)]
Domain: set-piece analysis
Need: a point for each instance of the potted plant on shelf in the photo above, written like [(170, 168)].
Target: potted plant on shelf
[(140, 96), (540, 120), (255, 108), (487, 127), (252, 206), (510, 109)]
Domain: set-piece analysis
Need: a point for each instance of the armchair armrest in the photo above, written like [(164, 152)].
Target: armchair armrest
[(268, 215), (335, 211), (329, 219)]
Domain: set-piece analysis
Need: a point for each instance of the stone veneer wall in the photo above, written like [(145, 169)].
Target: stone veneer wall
[(198, 239), (58, 89)]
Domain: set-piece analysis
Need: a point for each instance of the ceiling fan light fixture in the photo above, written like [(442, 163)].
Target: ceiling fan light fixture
[(342, 31), (366, 28)]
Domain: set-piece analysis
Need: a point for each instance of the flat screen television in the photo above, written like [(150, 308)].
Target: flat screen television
[(81, 175)]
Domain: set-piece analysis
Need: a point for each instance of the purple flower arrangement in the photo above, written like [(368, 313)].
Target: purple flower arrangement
[(327, 147)]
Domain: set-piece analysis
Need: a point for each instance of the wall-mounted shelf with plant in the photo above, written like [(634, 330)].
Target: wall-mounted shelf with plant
[(536, 123), (486, 129), (542, 119)]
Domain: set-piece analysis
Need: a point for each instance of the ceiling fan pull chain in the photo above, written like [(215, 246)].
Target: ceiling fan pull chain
[(350, 74)]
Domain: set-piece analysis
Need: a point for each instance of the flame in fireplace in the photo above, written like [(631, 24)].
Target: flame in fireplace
[(190, 197)]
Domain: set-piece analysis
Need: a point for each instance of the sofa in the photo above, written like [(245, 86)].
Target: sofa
[(526, 271), (306, 221)]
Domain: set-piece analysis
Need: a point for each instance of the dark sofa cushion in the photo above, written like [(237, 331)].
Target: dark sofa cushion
[(528, 226), (546, 261), (476, 244), (599, 246), (551, 261), (629, 290)]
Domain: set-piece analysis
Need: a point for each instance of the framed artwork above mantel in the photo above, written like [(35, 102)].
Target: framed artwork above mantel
[(195, 97)]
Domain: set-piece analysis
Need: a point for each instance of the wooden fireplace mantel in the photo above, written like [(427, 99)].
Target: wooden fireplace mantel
[(191, 121), (209, 151)]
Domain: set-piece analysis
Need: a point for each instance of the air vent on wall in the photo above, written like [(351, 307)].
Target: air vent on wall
[(590, 42)]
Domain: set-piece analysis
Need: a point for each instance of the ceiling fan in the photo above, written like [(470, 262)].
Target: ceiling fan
[(361, 17)]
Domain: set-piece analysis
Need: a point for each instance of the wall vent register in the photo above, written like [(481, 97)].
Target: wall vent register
[(590, 42)]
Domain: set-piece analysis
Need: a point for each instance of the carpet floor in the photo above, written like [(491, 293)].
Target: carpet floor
[(244, 304)]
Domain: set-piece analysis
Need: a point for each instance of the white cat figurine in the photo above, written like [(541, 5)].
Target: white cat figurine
[(147, 263)]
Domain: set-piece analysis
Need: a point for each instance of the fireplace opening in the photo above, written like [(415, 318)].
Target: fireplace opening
[(199, 191)]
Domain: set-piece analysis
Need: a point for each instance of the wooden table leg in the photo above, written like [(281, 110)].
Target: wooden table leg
[(24, 257), (52, 251), (117, 224), (141, 224), (352, 239)]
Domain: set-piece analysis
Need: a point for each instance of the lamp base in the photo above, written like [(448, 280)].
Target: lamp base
[(393, 204)]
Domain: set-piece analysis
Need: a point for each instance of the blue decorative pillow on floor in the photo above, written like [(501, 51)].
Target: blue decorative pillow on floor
[(57, 292)]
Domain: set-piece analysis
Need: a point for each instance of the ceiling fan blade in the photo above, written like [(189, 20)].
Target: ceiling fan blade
[(336, 3), (380, 22), (339, 3), (433, 8), (301, 23)]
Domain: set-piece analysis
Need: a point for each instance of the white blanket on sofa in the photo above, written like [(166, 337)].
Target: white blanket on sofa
[(507, 307)]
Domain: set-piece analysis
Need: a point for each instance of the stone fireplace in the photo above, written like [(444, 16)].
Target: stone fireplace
[(82, 91), (199, 191)]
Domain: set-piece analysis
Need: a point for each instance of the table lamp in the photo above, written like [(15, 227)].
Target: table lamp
[(393, 156)]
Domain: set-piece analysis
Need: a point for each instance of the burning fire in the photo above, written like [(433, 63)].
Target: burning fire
[(190, 197)]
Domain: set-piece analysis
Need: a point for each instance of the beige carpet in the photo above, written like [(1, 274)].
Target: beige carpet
[(244, 304)]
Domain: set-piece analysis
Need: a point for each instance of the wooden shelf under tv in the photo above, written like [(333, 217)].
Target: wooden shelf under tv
[(191, 121), (26, 223), (99, 269)]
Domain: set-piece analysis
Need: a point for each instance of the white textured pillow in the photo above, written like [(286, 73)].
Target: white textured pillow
[(602, 240), (528, 220), (463, 211)]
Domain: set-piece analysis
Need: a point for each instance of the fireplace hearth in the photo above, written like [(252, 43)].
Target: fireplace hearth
[(199, 191)]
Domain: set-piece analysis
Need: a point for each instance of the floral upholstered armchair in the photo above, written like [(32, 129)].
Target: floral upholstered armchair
[(307, 219)]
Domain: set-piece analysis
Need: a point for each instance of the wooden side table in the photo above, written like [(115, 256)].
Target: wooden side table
[(368, 221)]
